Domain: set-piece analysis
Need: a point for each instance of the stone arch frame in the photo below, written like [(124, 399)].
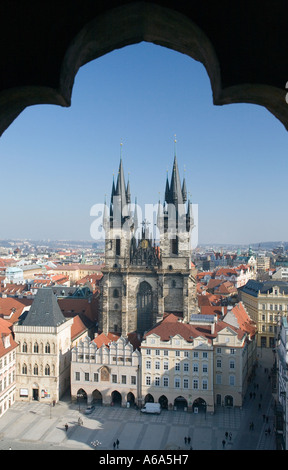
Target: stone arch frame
[(130, 24)]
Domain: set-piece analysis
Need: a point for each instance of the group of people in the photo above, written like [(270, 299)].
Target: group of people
[(116, 444), (227, 436)]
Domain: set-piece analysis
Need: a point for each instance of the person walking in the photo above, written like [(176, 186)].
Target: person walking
[(223, 443), (66, 427), (117, 444)]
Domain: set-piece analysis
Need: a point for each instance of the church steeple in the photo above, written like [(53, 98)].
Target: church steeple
[(175, 194), (175, 185), (120, 196)]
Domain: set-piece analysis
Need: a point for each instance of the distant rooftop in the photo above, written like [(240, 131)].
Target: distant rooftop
[(253, 287)]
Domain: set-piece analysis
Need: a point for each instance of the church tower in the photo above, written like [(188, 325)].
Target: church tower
[(142, 278)]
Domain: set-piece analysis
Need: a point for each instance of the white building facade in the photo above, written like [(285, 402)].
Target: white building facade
[(108, 374), (8, 349)]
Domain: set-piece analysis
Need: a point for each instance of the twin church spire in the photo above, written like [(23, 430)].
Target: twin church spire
[(175, 193)]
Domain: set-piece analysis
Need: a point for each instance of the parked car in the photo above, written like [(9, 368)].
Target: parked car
[(89, 410)]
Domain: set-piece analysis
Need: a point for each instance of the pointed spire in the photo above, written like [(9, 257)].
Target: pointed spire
[(167, 191), (189, 217), (136, 222), (184, 190), (175, 141), (175, 185), (128, 194), (120, 190)]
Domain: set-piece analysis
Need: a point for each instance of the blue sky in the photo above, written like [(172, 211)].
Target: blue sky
[(58, 162)]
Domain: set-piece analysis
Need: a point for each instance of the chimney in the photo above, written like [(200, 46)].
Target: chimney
[(213, 324)]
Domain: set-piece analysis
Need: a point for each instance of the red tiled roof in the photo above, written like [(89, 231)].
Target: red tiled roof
[(8, 304), (243, 319), (72, 307), (5, 330), (171, 326), (77, 327), (226, 287), (213, 310), (105, 339)]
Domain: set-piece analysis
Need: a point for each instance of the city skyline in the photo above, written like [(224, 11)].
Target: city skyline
[(57, 162)]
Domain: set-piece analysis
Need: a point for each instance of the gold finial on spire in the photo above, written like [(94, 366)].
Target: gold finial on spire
[(175, 145)]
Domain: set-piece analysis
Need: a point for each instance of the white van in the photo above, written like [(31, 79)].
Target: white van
[(151, 408)]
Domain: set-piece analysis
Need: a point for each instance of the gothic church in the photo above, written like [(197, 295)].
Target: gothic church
[(144, 279)]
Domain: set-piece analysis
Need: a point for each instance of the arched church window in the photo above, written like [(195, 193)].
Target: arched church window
[(24, 369), (47, 348), (144, 307), (47, 369), (115, 293), (24, 347), (36, 348), (175, 245), (35, 369)]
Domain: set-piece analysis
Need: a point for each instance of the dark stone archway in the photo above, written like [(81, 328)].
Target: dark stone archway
[(43, 45)]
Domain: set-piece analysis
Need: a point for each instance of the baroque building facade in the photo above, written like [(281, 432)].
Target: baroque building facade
[(144, 278), (193, 366), (266, 302)]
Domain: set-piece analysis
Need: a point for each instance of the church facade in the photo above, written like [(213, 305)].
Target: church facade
[(143, 278)]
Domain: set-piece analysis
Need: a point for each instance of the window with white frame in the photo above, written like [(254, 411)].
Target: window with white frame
[(157, 365), (177, 382), (195, 384), (204, 384), (185, 383), (148, 380), (165, 382)]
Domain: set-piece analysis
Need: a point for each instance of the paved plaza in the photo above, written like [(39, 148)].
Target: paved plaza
[(36, 425)]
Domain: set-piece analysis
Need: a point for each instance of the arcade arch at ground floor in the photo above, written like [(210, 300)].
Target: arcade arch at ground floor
[(114, 397)]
